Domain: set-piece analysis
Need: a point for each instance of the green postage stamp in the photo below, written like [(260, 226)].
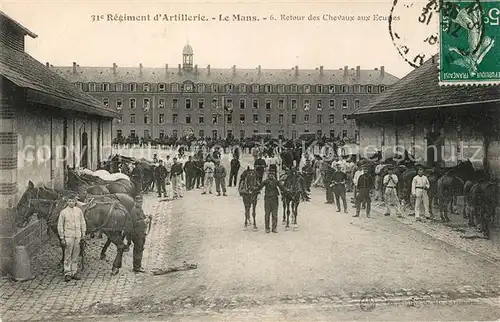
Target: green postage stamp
[(469, 34)]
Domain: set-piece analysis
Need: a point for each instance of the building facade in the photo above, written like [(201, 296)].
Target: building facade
[(156, 102), (46, 125)]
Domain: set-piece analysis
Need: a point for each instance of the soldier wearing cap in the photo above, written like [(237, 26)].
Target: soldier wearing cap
[(271, 200), (419, 186), (390, 183), (364, 186), (138, 233), (338, 184), (72, 228)]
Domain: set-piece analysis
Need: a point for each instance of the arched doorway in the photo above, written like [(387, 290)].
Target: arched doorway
[(84, 143)]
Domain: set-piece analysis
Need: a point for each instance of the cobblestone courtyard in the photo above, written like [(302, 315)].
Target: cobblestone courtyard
[(333, 266)]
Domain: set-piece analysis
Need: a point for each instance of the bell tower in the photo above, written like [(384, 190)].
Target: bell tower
[(187, 57)]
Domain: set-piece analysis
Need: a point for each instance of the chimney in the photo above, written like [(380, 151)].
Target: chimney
[(196, 69), (140, 69), (382, 71), (346, 71), (114, 68), (358, 72), (47, 64), (258, 70), (208, 70), (296, 71), (234, 70), (320, 70), (180, 68), (166, 68), (74, 67)]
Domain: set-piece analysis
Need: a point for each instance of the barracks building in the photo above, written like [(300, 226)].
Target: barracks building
[(157, 102)]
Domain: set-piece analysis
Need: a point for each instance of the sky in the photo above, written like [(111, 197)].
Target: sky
[(67, 33)]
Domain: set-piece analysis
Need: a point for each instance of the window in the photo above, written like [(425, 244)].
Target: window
[(319, 104), (345, 104), (381, 88), (201, 133), (319, 118), (132, 118), (344, 134), (105, 87), (132, 133), (146, 87), (229, 88), (174, 133), (188, 119), (256, 118), (306, 131), (201, 103), (357, 89), (133, 103), (332, 133), (105, 101), (162, 134), (356, 104), (214, 118), (175, 87), (119, 120), (294, 104), (281, 118), (306, 118), (119, 87), (294, 119), (161, 118), (215, 88), (91, 87), (146, 104), (319, 89), (331, 89), (294, 134), (214, 102), (174, 118), (229, 133), (242, 88), (214, 134), (79, 85), (268, 118), (161, 87), (255, 104), (255, 88), (188, 103), (229, 118), (175, 103), (345, 89), (201, 119), (133, 87), (242, 134), (119, 103), (369, 89), (242, 118), (229, 103), (161, 103), (281, 88), (242, 104), (201, 88), (268, 104), (307, 89), (281, 103), (344, 119), (293, 88), (255, 131), (306, 105), (99, 87), (332, 103), (119, 133), (267, 88), (146, 119), (331, 118)]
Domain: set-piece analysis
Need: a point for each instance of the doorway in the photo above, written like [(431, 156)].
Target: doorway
[(84, 150)]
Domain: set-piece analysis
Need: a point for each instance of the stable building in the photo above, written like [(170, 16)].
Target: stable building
[(439, 125), (47, 125)]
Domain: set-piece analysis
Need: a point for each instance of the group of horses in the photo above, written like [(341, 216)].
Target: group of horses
[(479, 191)]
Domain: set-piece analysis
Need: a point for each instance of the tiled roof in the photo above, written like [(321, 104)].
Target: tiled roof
[(45, 86), (420, 89), (224, 76), (4, 18)]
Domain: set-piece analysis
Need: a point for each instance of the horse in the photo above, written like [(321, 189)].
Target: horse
[(291, 197), (106, 213), (483, 202), (247, 189)]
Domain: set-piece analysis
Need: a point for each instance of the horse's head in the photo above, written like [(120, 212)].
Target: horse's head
[(24, 209)]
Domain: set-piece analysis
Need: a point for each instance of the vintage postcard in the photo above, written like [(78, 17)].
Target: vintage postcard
[(249, 160)]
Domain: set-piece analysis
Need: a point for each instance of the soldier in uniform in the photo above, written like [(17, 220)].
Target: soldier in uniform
[(190, 173), (364, 186), (338, 185), (260, 166), (271, 200), (308, 173), (328, 179), (138, 234), (136, 178), (390, 183), (160, 174)]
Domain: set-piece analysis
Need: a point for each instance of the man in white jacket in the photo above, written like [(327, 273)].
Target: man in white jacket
[(209, 168), (419, 187), (71, 228)]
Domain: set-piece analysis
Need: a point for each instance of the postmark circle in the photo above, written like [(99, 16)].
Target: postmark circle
[(367, 303)]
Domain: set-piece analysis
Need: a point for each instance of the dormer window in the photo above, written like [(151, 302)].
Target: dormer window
[(175, 87), (201, 88), (331, 89), (105, 87), (381, 88), (307, 89), (345, 89), (267, 88), (119, 87), (369, 89), (229, 88), (281, 88), (215, 88), (79, 85), (319, 89), (161, 87), (293, 88), (146, 87), (255, 88), (91, 87), (133, 87), (242, 88)]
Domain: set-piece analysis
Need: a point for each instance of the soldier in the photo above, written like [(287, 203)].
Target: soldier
[(233, 173), (72, 228), (136, 178), (390, 182), (138, 234), (160, 175), (364, 186), (419, 187), (260, 167), (190, 173), (168, 167), (338, 185), (308, 173), (271, 200), (328, 180), (350, 169), (177, 177), (220, 178), (208, 168)]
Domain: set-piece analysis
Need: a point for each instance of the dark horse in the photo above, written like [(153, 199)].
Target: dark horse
[(248, 191), (106, 213), (482, 202), (76, 183), (291, 197)]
